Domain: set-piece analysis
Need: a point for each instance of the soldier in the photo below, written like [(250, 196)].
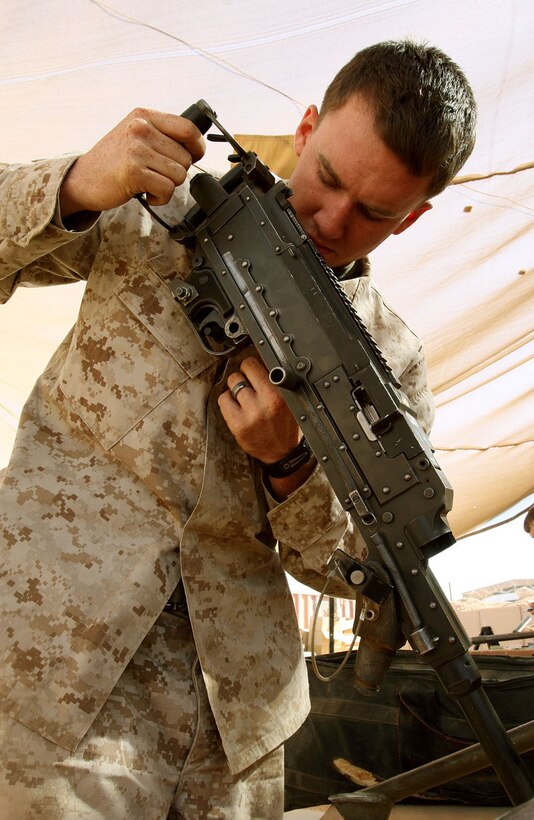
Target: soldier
[(151, 661)]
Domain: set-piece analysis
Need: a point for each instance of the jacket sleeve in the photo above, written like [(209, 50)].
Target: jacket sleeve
[(414, 383), (35, 248), (309, 526)]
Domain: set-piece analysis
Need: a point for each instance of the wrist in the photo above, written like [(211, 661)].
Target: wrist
[(67, 199), (282, 488), (291, 463)]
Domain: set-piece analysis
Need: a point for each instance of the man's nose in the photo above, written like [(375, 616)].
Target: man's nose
[(332, 219)]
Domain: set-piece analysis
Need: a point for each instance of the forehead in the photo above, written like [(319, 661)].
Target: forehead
[(348, 141)]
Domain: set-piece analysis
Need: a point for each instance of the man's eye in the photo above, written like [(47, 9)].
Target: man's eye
[(327, 180), (371, 217)]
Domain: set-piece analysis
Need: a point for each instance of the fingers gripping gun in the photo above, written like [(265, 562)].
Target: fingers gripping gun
[(256, 276)]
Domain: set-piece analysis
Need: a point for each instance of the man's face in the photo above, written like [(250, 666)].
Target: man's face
[(350, 191)]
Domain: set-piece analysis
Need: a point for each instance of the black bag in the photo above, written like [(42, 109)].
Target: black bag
[(409, 722)]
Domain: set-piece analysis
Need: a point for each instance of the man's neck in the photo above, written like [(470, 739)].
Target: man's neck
[(356, 269)]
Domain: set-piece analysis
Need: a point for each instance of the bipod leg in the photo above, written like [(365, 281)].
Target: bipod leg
[(364, 805), (524, 812), (432, 774), (496, 742)]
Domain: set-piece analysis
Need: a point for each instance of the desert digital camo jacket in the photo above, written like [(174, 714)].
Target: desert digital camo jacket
[(124, 477)]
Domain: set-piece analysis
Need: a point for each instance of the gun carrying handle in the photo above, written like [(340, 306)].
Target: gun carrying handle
[(200, 115), (203, 117)]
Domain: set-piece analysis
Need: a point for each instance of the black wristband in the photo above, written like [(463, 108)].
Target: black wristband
[(290, 463)]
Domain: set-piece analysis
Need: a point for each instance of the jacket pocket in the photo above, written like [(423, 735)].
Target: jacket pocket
[(137, 348)]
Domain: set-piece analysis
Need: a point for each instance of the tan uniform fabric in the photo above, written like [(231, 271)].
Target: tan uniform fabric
[(124, 477), (153, 752)]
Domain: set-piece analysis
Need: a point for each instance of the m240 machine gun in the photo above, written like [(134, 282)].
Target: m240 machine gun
[(257, 276)]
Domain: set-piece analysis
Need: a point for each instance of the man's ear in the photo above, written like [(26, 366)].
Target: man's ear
[(305, 128), (412, 217)]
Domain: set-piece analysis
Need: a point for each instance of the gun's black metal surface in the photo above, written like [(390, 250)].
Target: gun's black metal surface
[(257, 276)]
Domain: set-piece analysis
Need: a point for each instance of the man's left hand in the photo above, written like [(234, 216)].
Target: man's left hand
[(261, 422)]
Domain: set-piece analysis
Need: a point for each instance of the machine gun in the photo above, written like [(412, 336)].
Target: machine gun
[(256, 276)]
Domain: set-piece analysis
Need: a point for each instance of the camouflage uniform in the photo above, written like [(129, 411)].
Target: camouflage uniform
[(124, 478)]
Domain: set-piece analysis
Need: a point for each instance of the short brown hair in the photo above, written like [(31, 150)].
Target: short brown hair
[(424, 106), (529, 520)]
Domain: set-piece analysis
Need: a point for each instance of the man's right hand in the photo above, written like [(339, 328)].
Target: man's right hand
[(147, 152)]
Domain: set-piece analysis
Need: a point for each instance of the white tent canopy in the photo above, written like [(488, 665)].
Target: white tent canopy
[(461, 277)]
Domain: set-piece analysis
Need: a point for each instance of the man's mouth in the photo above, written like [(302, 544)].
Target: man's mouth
[(324, 250)]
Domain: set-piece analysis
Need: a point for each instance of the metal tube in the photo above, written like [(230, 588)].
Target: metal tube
[(363, 806), (507, 636), (524, 812), (437, 772), (504, 758)]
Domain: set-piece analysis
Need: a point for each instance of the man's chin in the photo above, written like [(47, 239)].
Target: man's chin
[(331, 258), (337, 260), (328, 254)]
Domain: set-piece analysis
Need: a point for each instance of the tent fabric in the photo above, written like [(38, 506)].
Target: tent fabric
[(275, 151), (462, 277)]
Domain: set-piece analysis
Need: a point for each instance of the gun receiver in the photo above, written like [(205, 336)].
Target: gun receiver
[(257, 276)]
